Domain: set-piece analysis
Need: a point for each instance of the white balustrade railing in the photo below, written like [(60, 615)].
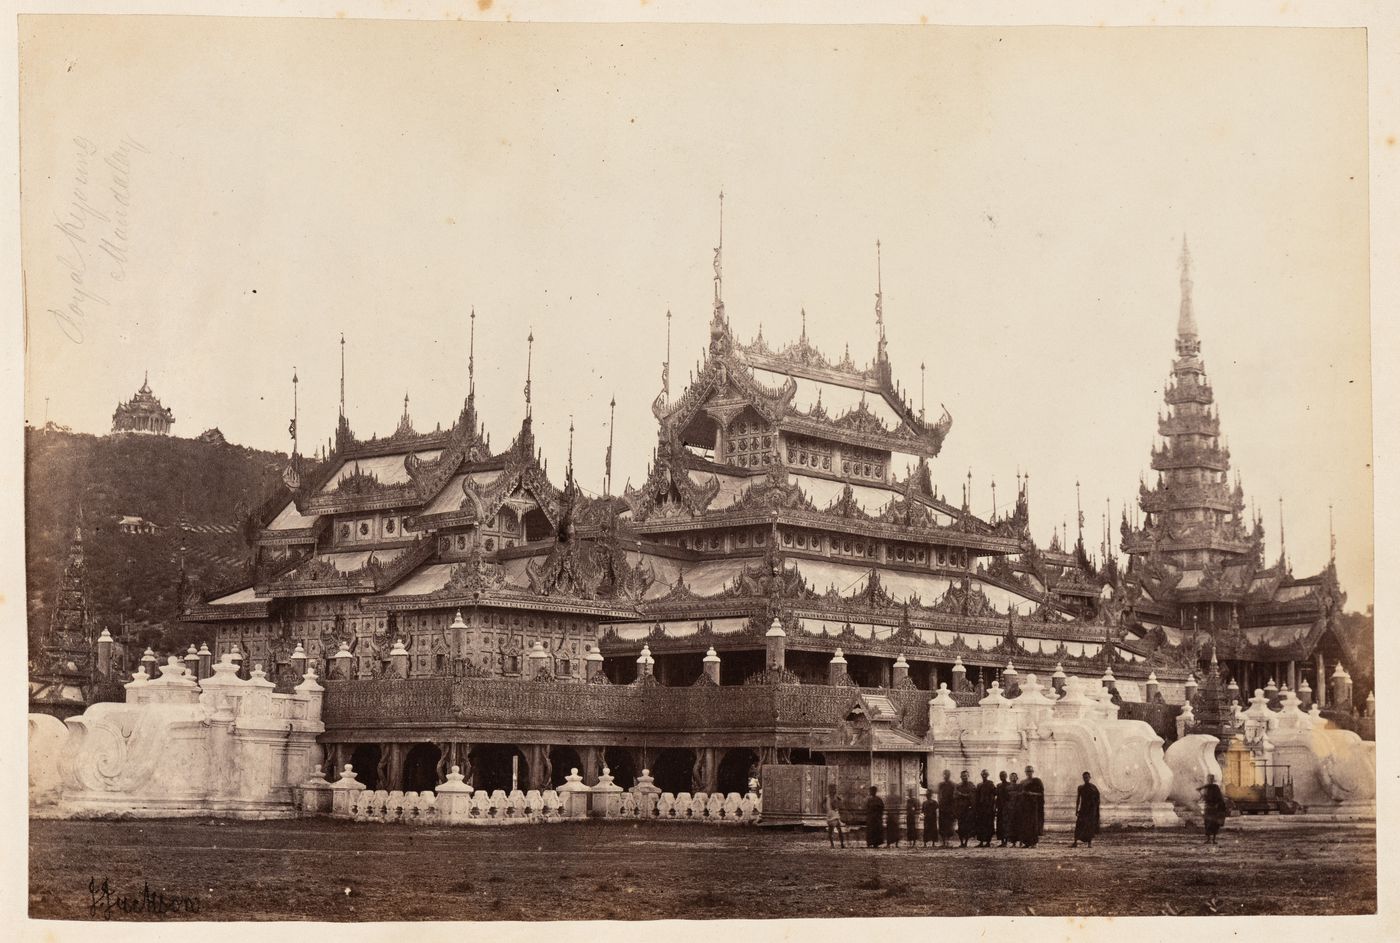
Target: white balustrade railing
[(456, 803)]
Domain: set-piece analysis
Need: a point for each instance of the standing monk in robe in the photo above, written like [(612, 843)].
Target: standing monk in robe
[(930, 818), (946, 812), (1014, 797), (1003, 797), (963, 797), (1032, 809), (1215, 808), (984, 810), (874, 819), (911, 816), (892, 813), (1086, 814)]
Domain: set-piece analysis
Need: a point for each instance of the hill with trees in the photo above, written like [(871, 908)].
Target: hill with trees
[(162, 518)]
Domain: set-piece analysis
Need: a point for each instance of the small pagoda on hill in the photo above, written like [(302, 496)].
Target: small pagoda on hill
[(143, 413)]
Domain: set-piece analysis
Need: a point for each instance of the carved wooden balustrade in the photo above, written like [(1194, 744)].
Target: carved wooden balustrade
[(572, 706)]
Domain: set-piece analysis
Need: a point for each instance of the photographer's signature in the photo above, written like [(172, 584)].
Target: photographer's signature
[(104, 902)]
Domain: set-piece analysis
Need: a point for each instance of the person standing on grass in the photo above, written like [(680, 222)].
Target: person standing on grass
[(892, 813), (1086, 814), (834, 826), (1003, 797), (946, 811), (963, 798), (874, 819), (1015, 795), (984, 810), (930, 818), (1032, 808), (911, 816), (1215, 810)]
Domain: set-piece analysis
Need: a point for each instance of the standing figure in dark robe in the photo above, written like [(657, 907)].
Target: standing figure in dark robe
[(984, 810), (911, 817), (1215, 808), (874, 819), (1014, 796), (1032, 809), (947, 814), (1003, 797), (892, 816), (963, 798), (930, 810), (1086, 814)]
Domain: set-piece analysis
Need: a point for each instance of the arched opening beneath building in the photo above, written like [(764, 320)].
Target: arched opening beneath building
[(365, 761), (672, 769), (562, 761), (621, 765), (537, 526), (499, 766), (420, 767), (735, 770)]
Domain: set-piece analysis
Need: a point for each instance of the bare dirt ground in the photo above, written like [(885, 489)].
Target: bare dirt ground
[(322, 869)]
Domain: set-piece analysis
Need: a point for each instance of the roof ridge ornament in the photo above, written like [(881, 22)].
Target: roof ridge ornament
[(720, 341)]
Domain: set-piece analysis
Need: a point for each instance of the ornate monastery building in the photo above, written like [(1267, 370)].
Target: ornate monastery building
[(143, 413), (786, 580)]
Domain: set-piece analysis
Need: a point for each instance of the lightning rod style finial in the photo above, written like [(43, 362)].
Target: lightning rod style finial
[(880, 355), (293, 429), (719, 261), (471, 354), (570, 469), (666, 366), (1331, 534), (607, 461), (529, 366), (342, 375), (1078, 506), (921, 392), (1282, 544)]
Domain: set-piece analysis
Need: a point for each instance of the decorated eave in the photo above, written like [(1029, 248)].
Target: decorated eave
[(910, 638), (671, 501), (857, 426), (727, 375), (358, 491), (319, 577)]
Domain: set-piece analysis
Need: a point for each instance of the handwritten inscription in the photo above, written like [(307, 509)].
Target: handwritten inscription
[(104, 902), (95, 229)]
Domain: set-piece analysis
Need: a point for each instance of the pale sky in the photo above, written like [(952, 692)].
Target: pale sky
[(289, 180)]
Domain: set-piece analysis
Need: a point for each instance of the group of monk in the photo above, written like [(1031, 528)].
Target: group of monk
[(1010, 811)]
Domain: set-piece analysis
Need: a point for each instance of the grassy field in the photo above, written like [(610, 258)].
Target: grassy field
[(322, 869)]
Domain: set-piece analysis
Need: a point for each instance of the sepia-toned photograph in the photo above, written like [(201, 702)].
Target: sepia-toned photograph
[(486, 471)]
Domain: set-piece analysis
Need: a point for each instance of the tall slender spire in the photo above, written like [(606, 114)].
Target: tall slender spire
[(293, 428), (921, 392), (1187, 342), (471, 355), (607, 460), (1282, 543), (666, 366), (529, 366), (342, 376), (1079, 508), (719, 262), (880, 356), (570, 467)]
